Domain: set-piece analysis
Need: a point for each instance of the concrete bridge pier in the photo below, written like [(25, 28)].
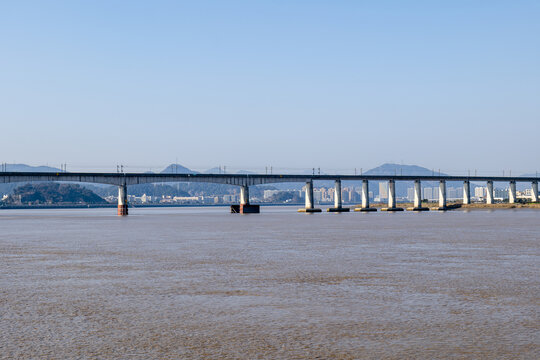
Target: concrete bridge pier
[(534, 189), (310, 203), (245, 207), (442, 195), (512, 192), (489, 196), (338, 205), (417, 205), (392, 203), (365, 198), (122, 200), (244, 195), (466, 192)]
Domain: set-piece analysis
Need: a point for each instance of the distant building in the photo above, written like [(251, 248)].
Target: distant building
[(410, 194), (317, 195), (230, 198), (525, 194), (480, 192), (183, 199), (500, 194), (454, 193), (383, 190), (345, 195), (329, 195), (430, 194), (354, 195)]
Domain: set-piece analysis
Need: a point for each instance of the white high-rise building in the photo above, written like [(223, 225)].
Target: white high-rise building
[(383, 190), (480, 192), (428, 193), (410, 194)]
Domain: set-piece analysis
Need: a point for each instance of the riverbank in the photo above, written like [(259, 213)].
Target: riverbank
[(113, 206), (502, 206), (459, 205), (430, 205)]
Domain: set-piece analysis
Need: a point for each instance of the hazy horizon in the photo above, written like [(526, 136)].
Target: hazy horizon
[(292, 85)]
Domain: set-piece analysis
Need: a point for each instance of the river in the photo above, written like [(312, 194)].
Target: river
[(190, 283)]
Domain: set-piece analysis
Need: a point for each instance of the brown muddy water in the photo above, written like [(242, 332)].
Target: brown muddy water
[(196, 283)]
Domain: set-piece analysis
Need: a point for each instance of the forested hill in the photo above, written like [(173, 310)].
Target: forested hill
[(52, 193)]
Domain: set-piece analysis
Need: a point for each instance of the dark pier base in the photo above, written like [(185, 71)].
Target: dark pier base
[(392, 209), (418, 209), (310, 210), (245, 209), (338, 210), (447, 207), (367, 209)]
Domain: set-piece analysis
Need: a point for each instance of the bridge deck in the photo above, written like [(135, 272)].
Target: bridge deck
[(232, 179)]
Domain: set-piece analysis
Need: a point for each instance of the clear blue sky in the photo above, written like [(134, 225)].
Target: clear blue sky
[(293, 84)]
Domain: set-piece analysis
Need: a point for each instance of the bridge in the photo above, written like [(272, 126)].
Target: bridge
[(244, 181)]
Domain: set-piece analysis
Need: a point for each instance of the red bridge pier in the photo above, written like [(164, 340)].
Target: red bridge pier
[(122, 200), (245, 207)]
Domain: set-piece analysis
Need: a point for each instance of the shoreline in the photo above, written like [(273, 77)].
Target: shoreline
[(432, 206), (458, 206), (114, 206)]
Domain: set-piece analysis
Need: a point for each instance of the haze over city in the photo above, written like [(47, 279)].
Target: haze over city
[(288, 84)]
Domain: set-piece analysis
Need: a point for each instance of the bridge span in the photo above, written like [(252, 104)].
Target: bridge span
[(244, 181)]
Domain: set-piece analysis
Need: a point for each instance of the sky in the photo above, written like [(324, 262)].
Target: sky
[(450, 85)]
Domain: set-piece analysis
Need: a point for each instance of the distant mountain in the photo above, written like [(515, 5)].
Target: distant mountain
[(384, 169), (397, 169), (402, 186), (311, 172), (28, 168), (177, 169), (214, 170), (9, 187), (220, 170)]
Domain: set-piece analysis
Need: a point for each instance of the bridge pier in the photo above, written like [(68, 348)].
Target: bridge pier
[(489, 195), (392, 197), (512, 192), (466, 192), (417, 205), (122, 200), (245, 207), (338, 205), (365, 198), (310, 204), (534, 188), (442, 195)]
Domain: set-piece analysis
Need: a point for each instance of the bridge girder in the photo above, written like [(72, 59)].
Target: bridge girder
[(232, 179)]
